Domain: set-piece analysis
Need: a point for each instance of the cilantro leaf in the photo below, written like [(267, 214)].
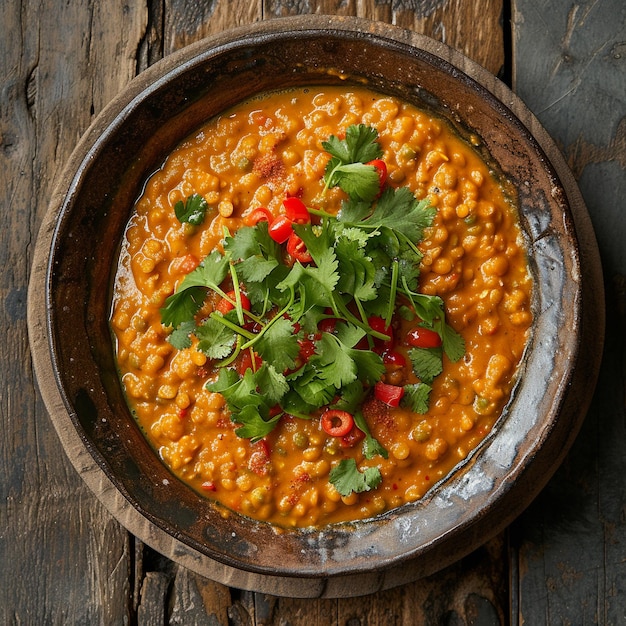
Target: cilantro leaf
[(210, 273), (192, 211), (272, 385), (358, 180), (181, 337), (353, 210), (254, 427), (356, 270), (352, 396), (215, 339), (181, 306), (347, 168), (309, 391), (371, 446), (427, 363), (247, 406), (360, 145), (398, 209), (416, 397), (427, 308), (256, 269), (347, 478), (369, 365), (279, 345), (316, 284), (453, 343), (334, 365)]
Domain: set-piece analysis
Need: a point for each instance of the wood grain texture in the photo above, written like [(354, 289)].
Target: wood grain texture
[(58, 82), (569, 67), (473, 28), (62, 554), (65, 561)]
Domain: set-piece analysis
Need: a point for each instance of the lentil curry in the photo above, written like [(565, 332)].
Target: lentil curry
[(321, 303)]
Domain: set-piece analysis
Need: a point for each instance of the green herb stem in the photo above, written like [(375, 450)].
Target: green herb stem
[(234, 327), (255, 337), (395, 269)]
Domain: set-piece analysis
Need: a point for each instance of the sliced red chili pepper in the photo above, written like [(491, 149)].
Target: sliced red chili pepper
[(337, 423), (378, 324), (296, 210), (381, 345), (247, 361), (208, 486), (355, 436), (394, 358), (280, 228), (258, 215), (297, 249), (421, 337), (307, 349), (224, 305), (389, 394), (260, 458), (381, 170), (328, 325), (184, 264)]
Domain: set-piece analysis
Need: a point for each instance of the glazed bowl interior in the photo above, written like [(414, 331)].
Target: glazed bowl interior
[(131, 139)]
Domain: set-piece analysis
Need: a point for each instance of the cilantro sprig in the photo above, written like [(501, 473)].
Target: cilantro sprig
[(365, 265), (192, 210), (348, 167)]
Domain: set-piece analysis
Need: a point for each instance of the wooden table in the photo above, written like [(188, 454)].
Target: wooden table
[(66, 561)]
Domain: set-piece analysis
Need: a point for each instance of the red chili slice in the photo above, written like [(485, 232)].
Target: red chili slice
[(296, 210), (307, 349), (184, 264), (355, 436), (394, 358), (260, 458), (381, 345), (337, 423), (328, 325), (381, 170), (224, 305), (247, 361), (378, 324), (421, 337), (258, 215), (389, 394), (280, 229), (297, 249)]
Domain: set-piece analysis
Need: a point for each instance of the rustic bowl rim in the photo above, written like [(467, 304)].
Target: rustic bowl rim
[(336, 579)]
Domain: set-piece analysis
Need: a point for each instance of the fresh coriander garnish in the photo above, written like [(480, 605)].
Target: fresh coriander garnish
[(192, 210), (347, 478), (363, 272), (348, 167)]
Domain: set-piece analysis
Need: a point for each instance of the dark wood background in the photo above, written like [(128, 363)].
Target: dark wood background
[(64, 560)]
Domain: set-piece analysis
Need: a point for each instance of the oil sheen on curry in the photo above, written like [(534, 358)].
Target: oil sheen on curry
[(320, 307)]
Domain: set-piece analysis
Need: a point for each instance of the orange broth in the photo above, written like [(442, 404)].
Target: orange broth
[(474, 258)]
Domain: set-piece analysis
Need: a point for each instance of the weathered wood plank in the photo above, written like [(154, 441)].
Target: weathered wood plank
[(569, 67), (473, 28), (197, 600), (63, 558), (465, 596), (186, 21), (68, 561)]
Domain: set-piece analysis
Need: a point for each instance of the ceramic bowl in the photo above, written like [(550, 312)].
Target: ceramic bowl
[(69, 305)]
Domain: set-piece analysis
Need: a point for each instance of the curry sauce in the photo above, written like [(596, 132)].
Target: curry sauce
[(473, 257)]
